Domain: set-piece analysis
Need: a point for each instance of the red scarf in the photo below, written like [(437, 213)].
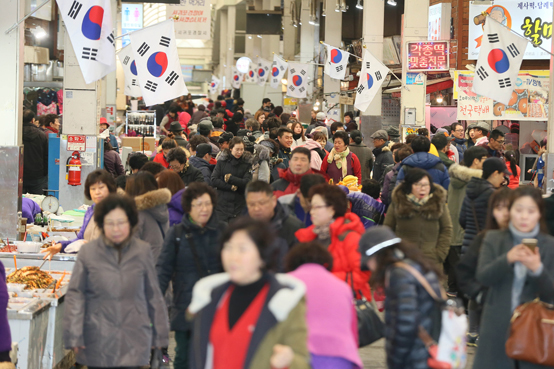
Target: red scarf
[(293, 179)]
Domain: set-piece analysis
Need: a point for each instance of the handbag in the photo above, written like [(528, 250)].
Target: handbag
[(370, 327), (532, 333)]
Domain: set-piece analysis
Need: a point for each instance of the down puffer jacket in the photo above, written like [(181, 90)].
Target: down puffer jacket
[(428, 162), (231, 203), (477, 197), (153, 218)]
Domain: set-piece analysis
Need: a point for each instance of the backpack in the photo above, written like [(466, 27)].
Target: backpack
[(451, 351)]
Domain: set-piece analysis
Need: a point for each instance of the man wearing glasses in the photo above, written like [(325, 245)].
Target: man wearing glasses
[(459, 141), (495, 146)]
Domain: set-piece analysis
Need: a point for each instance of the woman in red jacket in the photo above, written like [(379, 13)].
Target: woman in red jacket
[(339, 232), (511, 161), (341, 162)]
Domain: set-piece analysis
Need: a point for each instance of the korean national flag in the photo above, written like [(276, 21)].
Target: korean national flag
[(336, 63), (90, 29), (158, 63), (498, 63), (371, 78), (236, 78), (263, 71), (298, 80), (127, 60), (252, 76), (278, 70), (214, 84)]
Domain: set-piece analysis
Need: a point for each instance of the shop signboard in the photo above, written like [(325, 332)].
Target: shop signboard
[(76, 143), (529, 99), (428, 56), (131, 20), (192, 19), (439, 22), (530, 19), (414, 78), (110, 113)]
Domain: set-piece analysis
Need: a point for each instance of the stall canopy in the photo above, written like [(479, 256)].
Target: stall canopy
[(433, 85)]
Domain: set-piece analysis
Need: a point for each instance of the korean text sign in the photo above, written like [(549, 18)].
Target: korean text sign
[(427, 56), (194, 19)]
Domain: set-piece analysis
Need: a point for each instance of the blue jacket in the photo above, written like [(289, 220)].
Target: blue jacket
[(461, 145), (367, 208), (429, 162)]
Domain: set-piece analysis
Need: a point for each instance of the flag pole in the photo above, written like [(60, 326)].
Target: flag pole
[(175, 17), (27, 16), (515, 33), (394, 75)]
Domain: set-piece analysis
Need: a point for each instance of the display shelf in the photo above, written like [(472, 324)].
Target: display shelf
[(142, 122)]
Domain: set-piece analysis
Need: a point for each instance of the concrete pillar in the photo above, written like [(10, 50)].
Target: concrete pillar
[(231, 30), (416, 17), (309, 38), (111, 80), (374, 16), (289, 33), (223, 48), (333, 37)]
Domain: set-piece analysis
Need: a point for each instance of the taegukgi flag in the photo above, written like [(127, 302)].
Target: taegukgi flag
[(278, 70), (499, 62), (90, 29), (263, 71), (127, 59), (372, 77), (236, 78), (252, 75), (298, 80), (158, 63), (337, 60), (214, 84)]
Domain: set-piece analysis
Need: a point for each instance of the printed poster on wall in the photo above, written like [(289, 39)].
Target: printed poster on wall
[(529, 100), (131, 20), (194, 19), (531, 19)]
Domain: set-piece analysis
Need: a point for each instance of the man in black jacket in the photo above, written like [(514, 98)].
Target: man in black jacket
[(177, 159), (382, 153), (35, 156)]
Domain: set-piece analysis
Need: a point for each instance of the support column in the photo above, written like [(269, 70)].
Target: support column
[(416, 17), (333, 37), (111, 80), (374, 16), (230, 49), (289, 33), (549, 174), (11, 109), (308, 36), (222, 46)]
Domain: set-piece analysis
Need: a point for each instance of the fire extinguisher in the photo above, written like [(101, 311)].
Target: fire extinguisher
[(73, 169)]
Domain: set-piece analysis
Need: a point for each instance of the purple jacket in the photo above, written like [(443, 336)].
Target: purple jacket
[(175, 209), (29, 208), (330, 314), (81, 234), (5, 335)]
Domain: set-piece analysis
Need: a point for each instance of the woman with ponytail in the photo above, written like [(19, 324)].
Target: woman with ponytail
[(511, 160)]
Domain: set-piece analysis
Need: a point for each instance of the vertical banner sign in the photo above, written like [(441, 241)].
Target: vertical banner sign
[(530, 19), (157, 62), (372, 77), (127, 60), (298, 80), (337, 60), (214, 84), (263, 71), (236, 78), (194, 19), (131, 20), (278, 70), (90, 29), (499, 62)]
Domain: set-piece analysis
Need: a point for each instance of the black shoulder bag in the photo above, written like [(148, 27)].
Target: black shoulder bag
[(370, 327), (178, 234)]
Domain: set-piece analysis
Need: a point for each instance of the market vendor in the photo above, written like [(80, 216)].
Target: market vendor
[(5, 337), (98, 186)]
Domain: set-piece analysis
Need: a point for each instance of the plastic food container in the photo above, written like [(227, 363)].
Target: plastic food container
[(15, 287), (28, 247)]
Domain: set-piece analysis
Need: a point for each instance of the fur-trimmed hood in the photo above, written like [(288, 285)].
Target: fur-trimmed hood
[(461, 175), (247, 157), (152, 199), (432, 209)]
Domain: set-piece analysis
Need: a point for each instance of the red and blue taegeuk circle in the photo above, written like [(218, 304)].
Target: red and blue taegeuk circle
[(369, 81), (498, 61), (251, 74), (133, 68), (212, 85), (261, 72), (236, 77), (157, 64), (275, 72), (92, 23), (336, 56), (297, 80)]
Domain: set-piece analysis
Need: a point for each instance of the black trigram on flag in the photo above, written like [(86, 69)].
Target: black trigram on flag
[(378, 76), (134, 82), (360, 89), (126, 60), (151, 86), (503, 83), (164, 41), (89, 53), (493, 38), (513, 50), (172, 78), (75, 9), (143, 49), (368, 65), (482, 73), (111, 38)]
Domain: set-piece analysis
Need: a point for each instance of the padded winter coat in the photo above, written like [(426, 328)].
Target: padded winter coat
[(365, 156), (478, 192), (345, 235), (190, 174), (389, 183), (430, 163), (427, 226), (231, 203), (176, 264), (204, 167), (383, 157), (153, 217)]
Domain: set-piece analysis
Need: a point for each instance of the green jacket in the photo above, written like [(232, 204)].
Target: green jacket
[(459, 178), (444, 158)]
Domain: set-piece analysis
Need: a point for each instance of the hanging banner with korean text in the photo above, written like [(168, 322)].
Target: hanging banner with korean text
[(90, 29), (530, 19), (157, 62), (194, 19), (372, 77), (529, 99), (278, 70), (298, 80), (127, 60)]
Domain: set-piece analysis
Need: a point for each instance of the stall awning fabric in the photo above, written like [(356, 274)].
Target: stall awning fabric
[(433, 85)]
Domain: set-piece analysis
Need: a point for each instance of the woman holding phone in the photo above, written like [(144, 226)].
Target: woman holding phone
[(517, 265)]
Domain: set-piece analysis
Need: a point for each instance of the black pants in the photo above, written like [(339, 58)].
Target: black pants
[(35, 186), (450, 263), (5, 357)]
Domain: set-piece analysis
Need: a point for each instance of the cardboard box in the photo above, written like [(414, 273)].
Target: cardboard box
[(136, 143)]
